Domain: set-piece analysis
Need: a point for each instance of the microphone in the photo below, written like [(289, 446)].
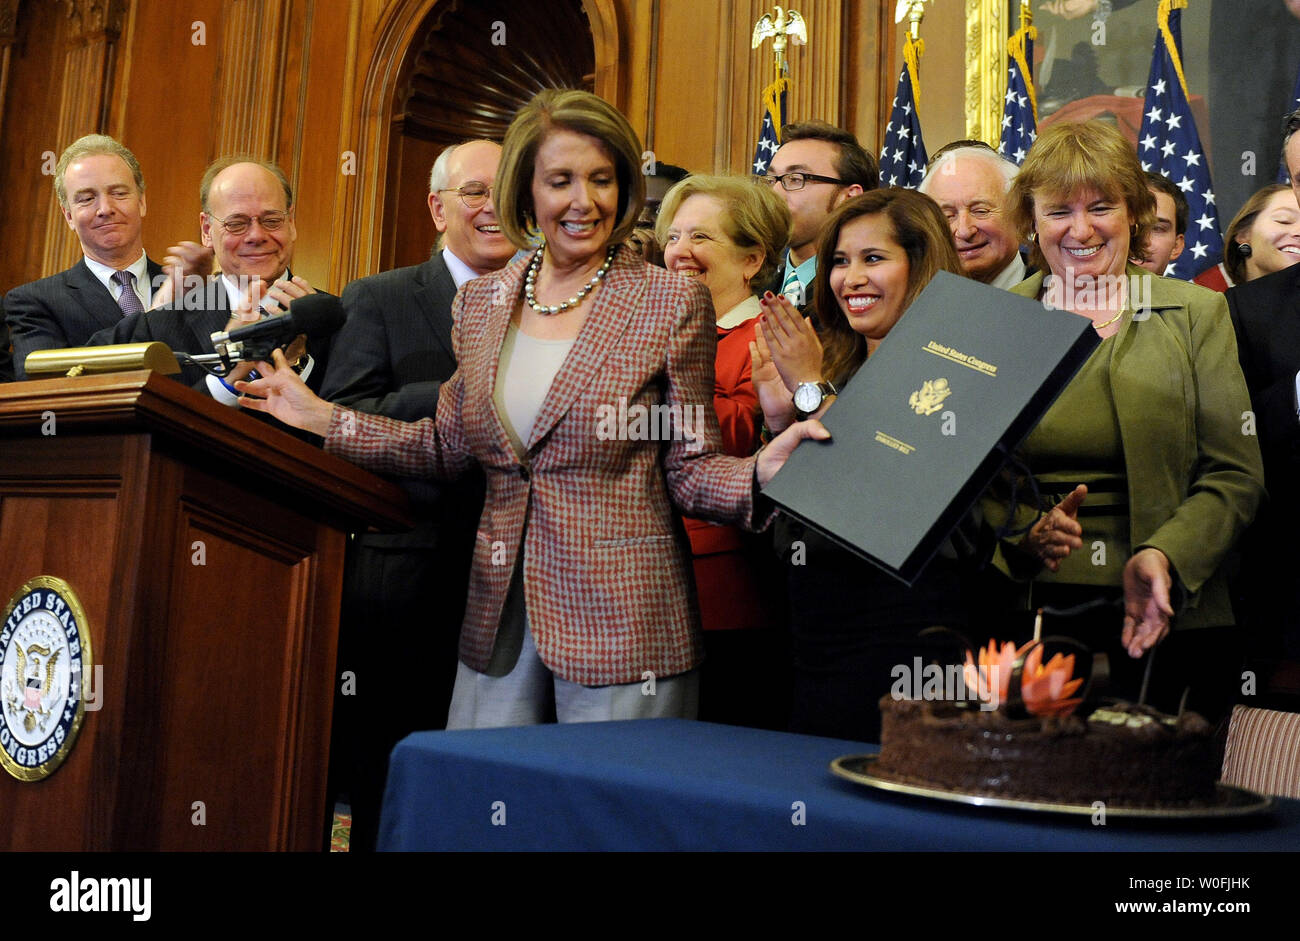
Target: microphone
[(317, 315)]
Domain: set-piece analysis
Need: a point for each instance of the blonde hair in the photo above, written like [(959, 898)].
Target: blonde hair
[(1069, 158), (753, 215), (570, 110), (93, 145)]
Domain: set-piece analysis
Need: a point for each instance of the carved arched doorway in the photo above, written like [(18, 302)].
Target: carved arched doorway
[(470, 65)]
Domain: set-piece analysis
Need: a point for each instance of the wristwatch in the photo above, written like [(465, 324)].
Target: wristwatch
[(809, 396)]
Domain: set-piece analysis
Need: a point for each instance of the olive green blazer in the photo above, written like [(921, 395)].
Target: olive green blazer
[(1191, 456)]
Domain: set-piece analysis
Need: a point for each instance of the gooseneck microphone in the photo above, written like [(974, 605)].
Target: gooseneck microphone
[(317, 315)]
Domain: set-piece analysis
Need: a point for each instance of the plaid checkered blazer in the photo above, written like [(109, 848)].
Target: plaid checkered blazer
[(607, 576)]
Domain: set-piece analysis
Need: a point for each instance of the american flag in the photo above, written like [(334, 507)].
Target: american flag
[(903, 158), (1168, 143), (1020, 104), (769, 135)]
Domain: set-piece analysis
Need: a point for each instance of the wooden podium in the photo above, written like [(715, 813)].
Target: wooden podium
[(207, 551)]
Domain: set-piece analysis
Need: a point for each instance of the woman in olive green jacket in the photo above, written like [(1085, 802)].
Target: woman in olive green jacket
[(1148, 459)]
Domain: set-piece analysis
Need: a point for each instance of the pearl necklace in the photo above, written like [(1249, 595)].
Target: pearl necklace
[(530, 281)]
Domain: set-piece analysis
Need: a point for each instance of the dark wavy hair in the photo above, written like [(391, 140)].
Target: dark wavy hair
[(921, 231)]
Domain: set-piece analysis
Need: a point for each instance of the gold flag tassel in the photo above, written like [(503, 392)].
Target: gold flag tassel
[(1162, 17), (772, 103), (1016, 49), (912, 52)]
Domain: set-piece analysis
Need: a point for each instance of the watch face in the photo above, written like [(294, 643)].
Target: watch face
[(807, 397)]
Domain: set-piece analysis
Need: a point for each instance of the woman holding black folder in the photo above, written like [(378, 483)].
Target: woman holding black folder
[(1145, 465), (851, 624)]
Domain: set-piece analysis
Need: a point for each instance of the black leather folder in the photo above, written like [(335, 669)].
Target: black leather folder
[(925, 425)]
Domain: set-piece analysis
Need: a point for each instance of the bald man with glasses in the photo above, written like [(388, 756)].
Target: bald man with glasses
[(247, 225)]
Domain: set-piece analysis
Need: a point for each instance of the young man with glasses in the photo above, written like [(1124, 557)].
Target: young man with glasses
[(817, 167), (247, 222)]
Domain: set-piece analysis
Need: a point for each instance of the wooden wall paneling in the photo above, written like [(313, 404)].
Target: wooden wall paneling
[(408, 179), (689, 58), (621, 31), (731, 74), (254, 47), (8, 33), (91, 31), (310, 142), (360, 203), (818, 93), (866, 69), (168, 123), (31, 97)]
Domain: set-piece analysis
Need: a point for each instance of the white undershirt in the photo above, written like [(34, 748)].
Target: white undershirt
[(139, 268), (459, 271), (1011, 275), (527, 368)]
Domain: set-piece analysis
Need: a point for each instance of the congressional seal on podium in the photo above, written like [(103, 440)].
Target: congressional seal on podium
[(44, 656)]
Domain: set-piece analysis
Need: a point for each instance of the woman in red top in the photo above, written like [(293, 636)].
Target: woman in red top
[(728, 234)]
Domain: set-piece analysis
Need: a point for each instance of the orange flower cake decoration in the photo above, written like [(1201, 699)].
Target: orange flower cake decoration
[(1046, 689)]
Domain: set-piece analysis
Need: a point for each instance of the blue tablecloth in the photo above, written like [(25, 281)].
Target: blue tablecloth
[(670, 784)]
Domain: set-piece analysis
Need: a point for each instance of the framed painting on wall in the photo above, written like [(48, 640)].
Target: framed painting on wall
[(1092, 59)]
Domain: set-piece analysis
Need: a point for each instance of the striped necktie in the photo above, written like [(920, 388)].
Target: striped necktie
[(792, 288), (128, 300)]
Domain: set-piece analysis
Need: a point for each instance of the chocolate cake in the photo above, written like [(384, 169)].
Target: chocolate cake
[(1123, 754)]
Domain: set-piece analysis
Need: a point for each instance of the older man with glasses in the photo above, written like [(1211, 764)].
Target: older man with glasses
[(818, 166), (247, 222)]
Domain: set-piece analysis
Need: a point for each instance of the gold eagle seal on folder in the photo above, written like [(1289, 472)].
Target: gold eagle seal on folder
[(928, 399)]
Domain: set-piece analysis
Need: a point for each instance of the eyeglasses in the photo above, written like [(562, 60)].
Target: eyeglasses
[(978, 213), (238, 224), (473, 194), (793, 182)]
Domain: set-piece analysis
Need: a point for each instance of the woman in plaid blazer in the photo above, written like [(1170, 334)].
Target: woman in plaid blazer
[(593, 420)]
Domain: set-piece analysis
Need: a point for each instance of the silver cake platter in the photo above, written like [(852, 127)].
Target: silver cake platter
[(1229, 802)]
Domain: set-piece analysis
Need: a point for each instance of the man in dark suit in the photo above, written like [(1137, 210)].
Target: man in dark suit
[(247, 223), (817, 167), (101, 195), (1266, 315), (391, 357)]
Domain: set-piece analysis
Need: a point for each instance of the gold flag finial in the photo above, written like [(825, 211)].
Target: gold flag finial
[(1026, 13), (913, 11), (786, 23)]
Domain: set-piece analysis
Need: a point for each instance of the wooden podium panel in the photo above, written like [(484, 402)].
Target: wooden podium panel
[(206, 548)]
